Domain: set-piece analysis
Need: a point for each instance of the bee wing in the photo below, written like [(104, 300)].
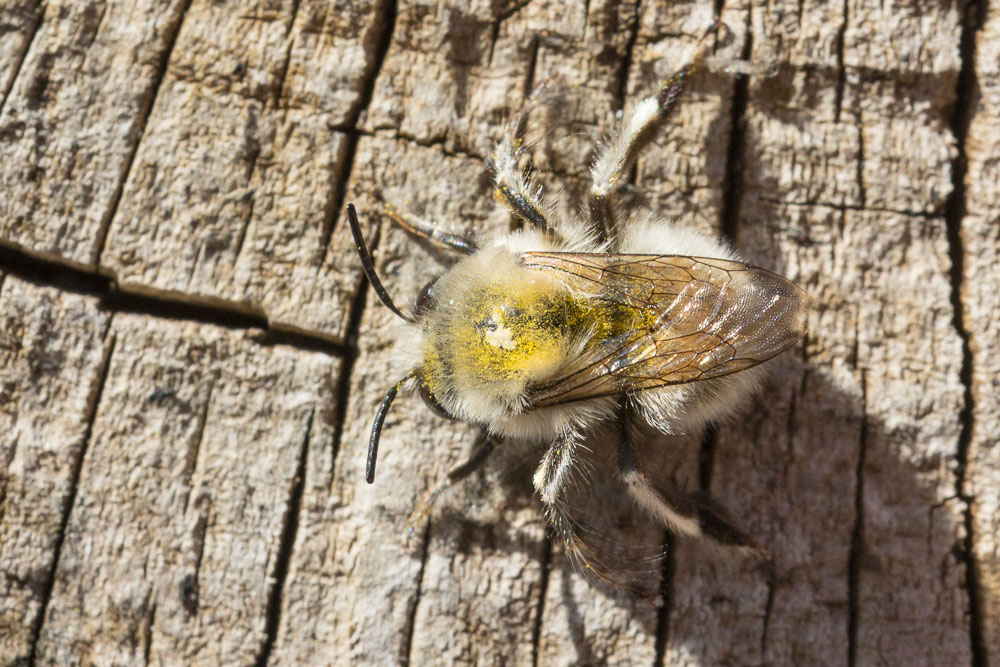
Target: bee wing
[(696, 318)]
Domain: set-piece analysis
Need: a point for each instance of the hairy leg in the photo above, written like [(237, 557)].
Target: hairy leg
[(636, 131), (586, 527), (696, 515), (553, 472), (513, 185), (550, 481), (428, 230)]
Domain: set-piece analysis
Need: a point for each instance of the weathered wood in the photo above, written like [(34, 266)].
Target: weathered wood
[(173, 542), (826, 204), (53, 352), (910, 570), (980, 242), (178, 492), (21, 20), (246, 216), (74, 116)]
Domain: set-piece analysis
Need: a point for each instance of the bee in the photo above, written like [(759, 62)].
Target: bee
[(543, 333)]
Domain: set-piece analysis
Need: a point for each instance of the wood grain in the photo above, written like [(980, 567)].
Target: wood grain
[(191, 359), (979, 238)]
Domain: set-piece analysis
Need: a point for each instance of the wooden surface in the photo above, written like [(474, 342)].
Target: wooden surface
[(191, 361)]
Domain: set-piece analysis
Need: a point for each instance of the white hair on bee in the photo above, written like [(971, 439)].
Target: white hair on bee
[(652, 234), (608, 166), (551, 332), (644, 496), (686, 408), (574, 236)]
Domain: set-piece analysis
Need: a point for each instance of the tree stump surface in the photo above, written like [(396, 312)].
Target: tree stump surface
[(191, 358)]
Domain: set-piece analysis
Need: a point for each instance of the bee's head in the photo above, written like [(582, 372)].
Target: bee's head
[(426, 301), (426, 304)]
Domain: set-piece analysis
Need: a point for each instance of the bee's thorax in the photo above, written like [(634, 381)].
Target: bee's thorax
[(496, 329)]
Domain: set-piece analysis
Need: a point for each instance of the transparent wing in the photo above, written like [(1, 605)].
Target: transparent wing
[(697, 318)]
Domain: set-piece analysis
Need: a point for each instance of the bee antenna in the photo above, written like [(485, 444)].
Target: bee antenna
[(367, 265), (383, 410)]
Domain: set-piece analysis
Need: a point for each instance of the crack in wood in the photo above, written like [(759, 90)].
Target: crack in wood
[(291, 23), (790, 422), (666, 598), (857, 532), (4, 474), (161, 304), (70, 499), (732, 185), (194, 452), (498, 22), (622, 75), (145, 111), (529, 76), (973, 18), (97, 28), (335, 202), (147, 637), (241, 237), (543, 588), (706, 457), (411, 616), (286, 546), (279, 90), (860, 164), (387, 12), (838, 99), (189, 587), (34, 27), (4, 480), (842, 207), (771, 584)]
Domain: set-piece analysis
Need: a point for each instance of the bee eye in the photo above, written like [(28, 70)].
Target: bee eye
[(426, 298), (432, 402)]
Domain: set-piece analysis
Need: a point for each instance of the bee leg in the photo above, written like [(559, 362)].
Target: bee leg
[(636, 131), (553, 472), (428, 230), (550, 481), (481, 450), (513, 185), (696, 515), (673, 513), (598, 556)]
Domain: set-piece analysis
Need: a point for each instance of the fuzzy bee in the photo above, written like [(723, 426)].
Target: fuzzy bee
[(542, 333)]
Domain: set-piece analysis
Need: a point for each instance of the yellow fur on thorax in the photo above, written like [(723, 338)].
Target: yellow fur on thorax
[(509, 329), (503, 334)]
